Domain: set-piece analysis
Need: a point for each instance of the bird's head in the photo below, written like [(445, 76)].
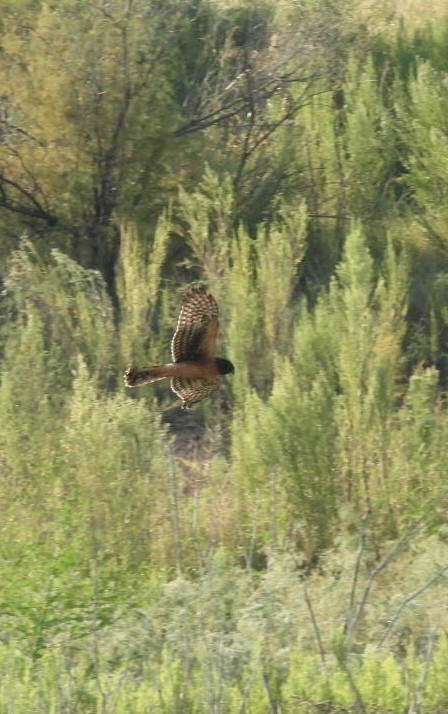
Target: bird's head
[(225, 366)]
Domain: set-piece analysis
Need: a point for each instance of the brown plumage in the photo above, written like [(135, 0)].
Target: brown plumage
[(195, 368)]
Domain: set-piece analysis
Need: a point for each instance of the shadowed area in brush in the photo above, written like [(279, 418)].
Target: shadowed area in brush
[(196, 436)]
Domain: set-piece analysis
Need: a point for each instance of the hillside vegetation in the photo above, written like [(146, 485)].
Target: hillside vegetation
[(283, 547)]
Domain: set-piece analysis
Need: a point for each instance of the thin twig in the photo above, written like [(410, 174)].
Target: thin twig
[(393, 553), (379, 569), (350, 621), (253, 540), (407, 600), (273, 473), (359, 704), (314, 623), (175, 511), (416, 704)]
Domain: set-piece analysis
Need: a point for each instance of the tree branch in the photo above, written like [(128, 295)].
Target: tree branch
[(407, 600), (30, 207)]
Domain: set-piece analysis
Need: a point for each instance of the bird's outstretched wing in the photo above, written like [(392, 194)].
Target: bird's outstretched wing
[(191, 391), (197, 328)]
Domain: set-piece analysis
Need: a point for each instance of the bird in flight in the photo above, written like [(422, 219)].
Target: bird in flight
[(195, 368)]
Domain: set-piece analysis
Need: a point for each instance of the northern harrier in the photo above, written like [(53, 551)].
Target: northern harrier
[(195, 368)]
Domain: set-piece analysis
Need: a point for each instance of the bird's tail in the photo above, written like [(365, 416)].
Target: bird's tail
[(136, 376)]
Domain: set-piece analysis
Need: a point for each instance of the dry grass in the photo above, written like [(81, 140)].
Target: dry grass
[(386, 13), (420, 10)]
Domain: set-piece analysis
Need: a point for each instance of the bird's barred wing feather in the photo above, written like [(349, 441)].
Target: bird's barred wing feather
[(197, 328), (191, 391)]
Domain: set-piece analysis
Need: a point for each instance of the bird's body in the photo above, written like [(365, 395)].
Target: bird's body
[(192, 370), (195, 368)]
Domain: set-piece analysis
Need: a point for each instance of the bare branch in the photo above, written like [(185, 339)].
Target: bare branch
[(218, 116), (350, 621), (354, 618), (175, 510), (416, 704), (392, 622), (314, 623), (398, 547), (26, 205)]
